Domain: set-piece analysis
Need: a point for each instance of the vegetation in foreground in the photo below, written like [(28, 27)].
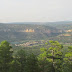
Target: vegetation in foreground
[(53, 58)]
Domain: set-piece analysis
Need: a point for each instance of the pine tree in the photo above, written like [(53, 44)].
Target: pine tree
[(53, 53), (67, 65), (32, 65), (21, 59), (5, 56)]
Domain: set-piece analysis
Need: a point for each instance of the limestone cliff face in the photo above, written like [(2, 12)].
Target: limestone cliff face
[(29, 30), (69, 30)]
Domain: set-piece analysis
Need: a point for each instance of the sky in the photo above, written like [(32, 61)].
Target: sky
[(35, 10)]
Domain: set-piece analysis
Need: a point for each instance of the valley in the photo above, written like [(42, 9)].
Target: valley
[(33, 34)]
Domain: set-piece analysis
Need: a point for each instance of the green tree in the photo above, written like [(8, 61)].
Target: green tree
[(5, 56), (54, 54), (67, 65), (32, 65), (21, 59), (43, 62), (14, 66)]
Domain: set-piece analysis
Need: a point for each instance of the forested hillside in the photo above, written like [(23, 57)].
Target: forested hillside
[(19, 32), (52, 58)]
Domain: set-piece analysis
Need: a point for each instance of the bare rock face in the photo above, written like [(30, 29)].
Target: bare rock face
[(68, 30), (29, 30)]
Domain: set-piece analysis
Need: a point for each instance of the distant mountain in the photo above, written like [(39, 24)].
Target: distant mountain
[(1, 23), (26, 23), (23, 31), (18, 32), (59, 22)]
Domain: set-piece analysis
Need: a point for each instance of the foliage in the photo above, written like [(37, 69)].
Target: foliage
[(53, 54), (52, 58), (32, 65), (67, 65), (5, 56), (21, 58)]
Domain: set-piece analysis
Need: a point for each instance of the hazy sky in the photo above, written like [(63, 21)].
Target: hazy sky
[(35, 10)]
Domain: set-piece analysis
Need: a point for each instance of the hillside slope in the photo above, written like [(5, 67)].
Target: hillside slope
[(18, 32)]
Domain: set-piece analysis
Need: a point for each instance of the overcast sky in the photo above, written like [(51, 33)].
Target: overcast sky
[(35, 10)]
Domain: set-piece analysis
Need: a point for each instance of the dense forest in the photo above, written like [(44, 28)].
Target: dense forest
[(52, 58)]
